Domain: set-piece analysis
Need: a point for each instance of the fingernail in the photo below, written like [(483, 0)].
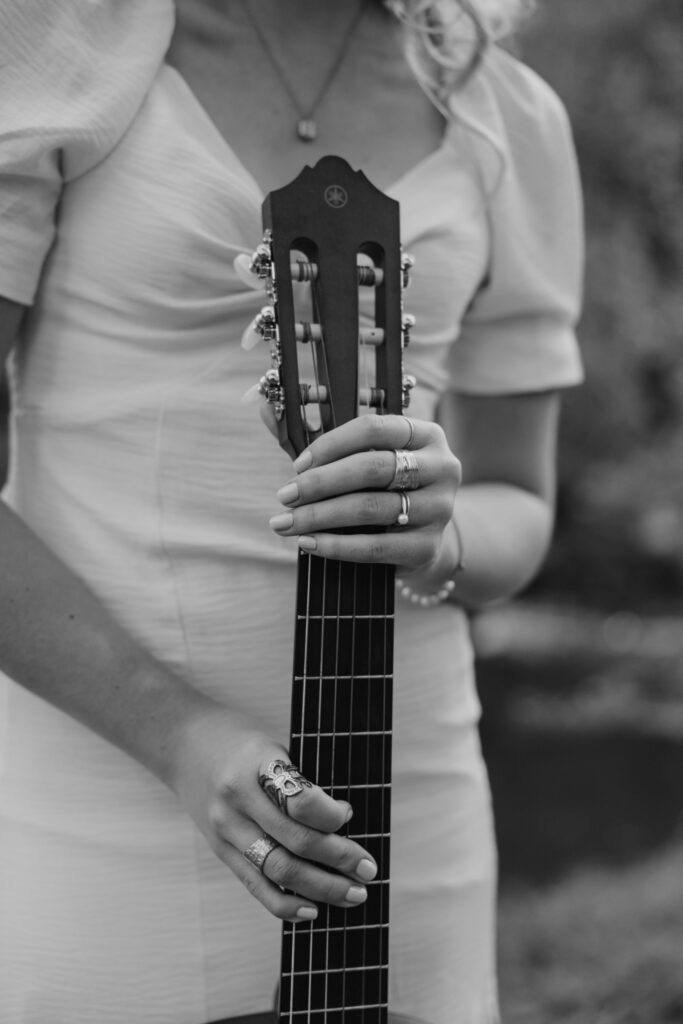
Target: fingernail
[(302, 462), (366, 870), (288, 494), (307, 913), (283, 521), (307, 543), (356, 894), (349, 815)]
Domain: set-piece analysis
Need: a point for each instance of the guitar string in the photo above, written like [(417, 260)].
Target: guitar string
[(376, 574), (385, 792), (316, 317), (303, 746), (363, 378), (333, 746), (313, 566), (302, 654)]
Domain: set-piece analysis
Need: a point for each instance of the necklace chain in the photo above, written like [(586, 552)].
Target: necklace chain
[(306, 127)]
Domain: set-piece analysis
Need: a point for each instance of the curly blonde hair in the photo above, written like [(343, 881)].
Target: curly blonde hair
[(445, 39)]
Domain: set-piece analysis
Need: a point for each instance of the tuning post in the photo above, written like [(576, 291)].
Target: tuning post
[(407, 386), (373, 398)]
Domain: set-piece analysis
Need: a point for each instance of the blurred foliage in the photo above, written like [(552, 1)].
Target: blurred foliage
[(618, 66)]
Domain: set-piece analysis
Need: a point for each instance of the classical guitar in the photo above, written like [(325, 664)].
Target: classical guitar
[(331, 246)]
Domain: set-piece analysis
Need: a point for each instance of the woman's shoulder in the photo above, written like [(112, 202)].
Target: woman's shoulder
[(520, 91), (72, 75), (519, 124)]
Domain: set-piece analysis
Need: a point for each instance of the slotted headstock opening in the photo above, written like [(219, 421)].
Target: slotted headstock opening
[(330, 236)]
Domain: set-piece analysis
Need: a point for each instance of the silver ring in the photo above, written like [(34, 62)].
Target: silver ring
[(404, 515), (257, 852), (280, 781), (411, 428), (406, 472)]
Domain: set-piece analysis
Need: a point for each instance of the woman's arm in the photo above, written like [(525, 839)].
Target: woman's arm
[(59, 641), (505, 506)]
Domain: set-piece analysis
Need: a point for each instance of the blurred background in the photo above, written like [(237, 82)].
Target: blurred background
[(581, 680)]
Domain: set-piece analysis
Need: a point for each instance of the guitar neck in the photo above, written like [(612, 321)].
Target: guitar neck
[(336, 968)]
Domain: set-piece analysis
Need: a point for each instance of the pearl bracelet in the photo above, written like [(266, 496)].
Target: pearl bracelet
[(445, 589), (426, 600)]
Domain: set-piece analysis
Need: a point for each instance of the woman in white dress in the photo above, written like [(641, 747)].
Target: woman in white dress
[(146, 624)]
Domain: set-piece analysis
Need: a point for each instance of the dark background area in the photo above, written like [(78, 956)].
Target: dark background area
[(581, 679)]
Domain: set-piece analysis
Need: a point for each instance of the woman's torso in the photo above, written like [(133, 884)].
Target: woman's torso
[(137, 462)]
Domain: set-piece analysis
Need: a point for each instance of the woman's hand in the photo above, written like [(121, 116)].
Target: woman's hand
[(216, 777), (342, 480)]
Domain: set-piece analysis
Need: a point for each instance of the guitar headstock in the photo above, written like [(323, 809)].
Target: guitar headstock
[(335, 234)]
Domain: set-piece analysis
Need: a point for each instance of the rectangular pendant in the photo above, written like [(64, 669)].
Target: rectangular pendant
[(306, 129)]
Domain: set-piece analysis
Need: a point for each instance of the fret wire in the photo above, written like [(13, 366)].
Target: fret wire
[(335, 735), (353, 678), (343, 618), (340, 1009), (337, 970), (352, 927)]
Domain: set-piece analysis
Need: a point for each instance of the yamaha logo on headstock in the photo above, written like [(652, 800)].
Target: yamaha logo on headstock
[(336, 196)]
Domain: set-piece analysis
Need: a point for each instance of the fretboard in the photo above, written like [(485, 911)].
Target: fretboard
[(335, 969)]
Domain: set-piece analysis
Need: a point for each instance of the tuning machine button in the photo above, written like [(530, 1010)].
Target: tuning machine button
[(407, 264), (271, 389), (407, 386), (262, 260), (407, 324), (265, 324)]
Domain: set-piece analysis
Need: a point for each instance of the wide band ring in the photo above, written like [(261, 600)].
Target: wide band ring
[(411, 428), (403, 517), (280, 781), (406, 472), (257, 852)]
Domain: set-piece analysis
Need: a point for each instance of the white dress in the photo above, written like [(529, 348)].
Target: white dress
[(134, 458)]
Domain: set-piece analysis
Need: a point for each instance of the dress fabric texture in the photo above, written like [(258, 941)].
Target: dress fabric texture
[(136, 461)]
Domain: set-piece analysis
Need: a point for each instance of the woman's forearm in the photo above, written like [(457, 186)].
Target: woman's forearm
[(506, 533), (502, 537), (58, 641)]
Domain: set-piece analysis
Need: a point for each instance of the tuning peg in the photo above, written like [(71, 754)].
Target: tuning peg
[(262, 260), (271, 389), (407, 324), (407, 386), (265, 323), (407, 264)]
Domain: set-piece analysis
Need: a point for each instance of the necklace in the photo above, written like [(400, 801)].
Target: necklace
[(306, 126)]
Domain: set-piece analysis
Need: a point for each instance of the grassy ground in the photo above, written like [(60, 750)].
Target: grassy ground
[(583, 735), (601, 946)]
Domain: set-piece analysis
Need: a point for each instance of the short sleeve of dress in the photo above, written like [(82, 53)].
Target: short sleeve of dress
[(518, 333), (72, 76)]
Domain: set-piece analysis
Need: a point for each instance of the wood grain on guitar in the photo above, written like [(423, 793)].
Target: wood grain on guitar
[(336, 234)]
